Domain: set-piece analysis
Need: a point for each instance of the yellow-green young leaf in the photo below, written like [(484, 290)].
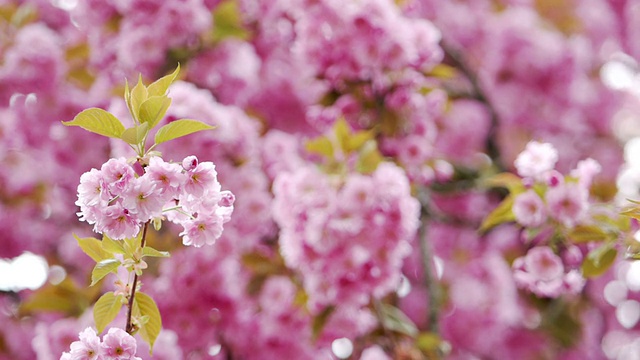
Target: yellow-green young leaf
[(499, 215), (394, 319), (429, 343), (369, 158), (180, 128), (150, 330), (112, 246), (149, 251), (154, 109), (106, 309), (342, 130), (357, 140), (506, 180), (93, 248), (135, 135), (443, 71), (320, 320), (587, 233), (227, 21), (260, 263), (599, 260), (63, 298), (138, 95), (98, 121), (632, 212), (160, 86), (321, 146), (103, 268)]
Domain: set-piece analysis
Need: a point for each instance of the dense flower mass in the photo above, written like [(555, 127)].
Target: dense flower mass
[(117, 202), (349, 240)]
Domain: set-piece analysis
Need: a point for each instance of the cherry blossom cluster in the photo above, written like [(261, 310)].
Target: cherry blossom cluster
[(117, 201), (116, 344), (550, 201), (564, 200), (348, 240), (543, 273)]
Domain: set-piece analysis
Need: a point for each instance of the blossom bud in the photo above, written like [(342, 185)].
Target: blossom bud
[(190, 162)]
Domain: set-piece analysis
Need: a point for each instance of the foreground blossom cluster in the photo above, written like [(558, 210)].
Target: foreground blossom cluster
[(118, 202)]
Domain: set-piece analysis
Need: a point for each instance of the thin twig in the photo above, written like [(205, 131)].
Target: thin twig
[(480, 95), (129, 328)]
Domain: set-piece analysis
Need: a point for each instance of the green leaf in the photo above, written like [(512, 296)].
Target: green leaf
[(506, 180), (321, 146), (149, 251), (98, 121), (150, 330), (112, 246), (160, 86), (103, 268), (370, 157), (228, 22), (138, 95), (180, 128), (342, 131), (320, 320), (135, 135), (501, 214), (587, 233), (442, 71), (153, 110), (106, 309), (394, 319), (599, 260), (431, 344), (93, 247), (358, 140)]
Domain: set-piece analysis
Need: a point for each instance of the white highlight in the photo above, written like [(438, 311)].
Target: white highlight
[(342, 348), (615, 292), (404, 288), (633, 276), (27, 271), (620, 73), (628, 313), (214, 350), (66, 5)]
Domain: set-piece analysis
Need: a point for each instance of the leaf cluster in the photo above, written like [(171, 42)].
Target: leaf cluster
[(342, 144), (147, 105)]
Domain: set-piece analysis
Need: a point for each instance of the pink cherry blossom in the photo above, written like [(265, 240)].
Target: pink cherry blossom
[(117, 344), (529, 209), (537, 159)]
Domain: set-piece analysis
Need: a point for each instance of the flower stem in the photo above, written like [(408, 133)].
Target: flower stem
[(427, 263), (130, 328)]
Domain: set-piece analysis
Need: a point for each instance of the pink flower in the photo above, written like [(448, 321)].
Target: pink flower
[(529, 210), (143, 199), (536, 160), (117, 174), (119, 223), (168, 177), (91, 190), (542, 272), (201, 179), (202, 230), (88, 348), (567, 203), (585, 171), (117, 344)]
